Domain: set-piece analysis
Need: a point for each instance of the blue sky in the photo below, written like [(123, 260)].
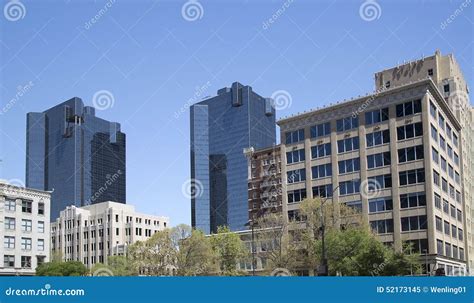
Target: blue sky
[(152, 60)]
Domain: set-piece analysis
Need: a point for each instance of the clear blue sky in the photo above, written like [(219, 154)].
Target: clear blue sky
[(152, 59)]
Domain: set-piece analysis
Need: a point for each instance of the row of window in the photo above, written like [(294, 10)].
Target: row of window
[(26, 206), (448, 250), (26, 243), (26, 225), (412, 223), (9, 261), (443, 124), (449, 229)]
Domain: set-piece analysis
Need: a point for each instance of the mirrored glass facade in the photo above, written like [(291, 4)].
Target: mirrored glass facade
[(221, 127), (78, 156)]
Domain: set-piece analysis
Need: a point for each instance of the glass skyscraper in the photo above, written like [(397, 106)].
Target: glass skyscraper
[(221, 127), (76, 155)]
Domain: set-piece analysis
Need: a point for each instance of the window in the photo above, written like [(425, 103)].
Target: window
[(435, 155), (387, 84), (346, 145), (409, 108), (9, 223), (9, 242), (376, 116), (26, 225), (441, 121), (323, 191), (430, 72), (10, 205), (8, 261), (447, 250), (456, 159), (446, 88), (413, 223), (439, 247), (409, 131), (447, 229), (379, 182), (355, 205), (294, 136), (413, 200), (442, 142), (321, 171), (25, 262), (446, 206), (26, 206), (410, 154), (320, 130), (380, 204), (434, 133), (451, 191), (378, 160), (450, 152), (296, 195), (439, 224), (418, 246), (378, 138), (457, 178), (295, 156), (297, 175), (449, 132), (455, 251), (382, 226), (455, 140), (460, 234), (41, 244), (26, 243), (293, 215), (349, 187), (348, 166), (459, 215), (444, 185), (411, 176), (437, 199), (322, 150), (461, 253), (40, 208), (451, 171), (443, 164), (458, 197), (436, 177), (454, 231), (41, 227), (432, 110), (347, 123)]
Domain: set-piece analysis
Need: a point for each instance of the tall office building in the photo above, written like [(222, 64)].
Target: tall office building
[(76, 155), (403, 156), (221, 127)]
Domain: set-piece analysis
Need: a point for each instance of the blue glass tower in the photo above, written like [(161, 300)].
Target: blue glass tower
[(78, 156), (221, 127)]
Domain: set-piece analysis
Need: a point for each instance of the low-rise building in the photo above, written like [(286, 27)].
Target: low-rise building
[(24, 226), (92, 233)]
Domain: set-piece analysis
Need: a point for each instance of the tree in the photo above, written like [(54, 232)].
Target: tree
[(117, 266), (195, 256), (229, 249), (56, 268), (155, 256)]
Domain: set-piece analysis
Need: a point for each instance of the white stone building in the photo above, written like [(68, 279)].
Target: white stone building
[(24, 229), (92, 233)]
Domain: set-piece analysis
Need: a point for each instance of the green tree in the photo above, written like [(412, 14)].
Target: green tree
[(195, 256), (56, 268), (229, 249)]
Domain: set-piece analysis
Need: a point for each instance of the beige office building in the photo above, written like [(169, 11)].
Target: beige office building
[(401, 155), (24, 229), (94, 232)]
